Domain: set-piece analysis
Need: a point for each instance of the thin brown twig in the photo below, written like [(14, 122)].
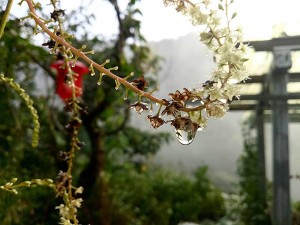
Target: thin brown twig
[(101, 68), (80, 54)]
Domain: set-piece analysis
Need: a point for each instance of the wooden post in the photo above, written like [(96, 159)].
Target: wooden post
[(281, 181), (261, 154)]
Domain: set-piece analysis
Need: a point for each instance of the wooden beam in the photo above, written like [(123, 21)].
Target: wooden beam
[(292, 42), (244, 107), (293, 118), (292, 77), (267, 97)]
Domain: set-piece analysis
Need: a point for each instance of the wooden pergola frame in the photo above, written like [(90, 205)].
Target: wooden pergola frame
[(273, 98)]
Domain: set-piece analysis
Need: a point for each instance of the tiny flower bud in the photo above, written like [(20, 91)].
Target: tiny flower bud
[(14, 180), (27, 183), (49, 181)]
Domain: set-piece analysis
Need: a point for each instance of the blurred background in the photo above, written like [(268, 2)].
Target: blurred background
[(133, 174)]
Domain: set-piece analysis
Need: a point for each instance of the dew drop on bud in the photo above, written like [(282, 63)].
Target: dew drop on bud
[(200, 128), (185, 137)]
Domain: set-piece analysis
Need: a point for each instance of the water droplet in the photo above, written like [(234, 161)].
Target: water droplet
[(185, 137), (200, 128)]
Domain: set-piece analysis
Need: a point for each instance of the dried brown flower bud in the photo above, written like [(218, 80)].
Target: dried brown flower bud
[(172, 108), (74, 123), (184, 123), (62, 180), (139, 106), (140, 83), (182, 97), (64, 155), (155, 121), (50, 44), (56, 13)]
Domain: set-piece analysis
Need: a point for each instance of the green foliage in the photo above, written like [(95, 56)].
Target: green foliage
[(17, 157), (254, 202), (296, 213), (156, 196)]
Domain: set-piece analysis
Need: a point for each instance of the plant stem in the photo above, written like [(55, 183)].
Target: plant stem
[(5, 17)]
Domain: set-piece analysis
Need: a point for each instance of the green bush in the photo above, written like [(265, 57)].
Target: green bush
[(157, 196)]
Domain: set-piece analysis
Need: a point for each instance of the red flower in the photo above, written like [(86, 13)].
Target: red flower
[(63, 88)]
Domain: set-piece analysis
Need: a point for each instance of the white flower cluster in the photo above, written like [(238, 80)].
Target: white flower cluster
[(230, 55), (68, 211)]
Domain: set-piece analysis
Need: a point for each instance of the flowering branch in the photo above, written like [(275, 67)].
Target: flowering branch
[(82, 55), (212, 97), (12, 186), (187, 111), (29, 104)]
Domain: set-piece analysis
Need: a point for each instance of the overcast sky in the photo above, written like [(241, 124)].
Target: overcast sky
[(257, 17)]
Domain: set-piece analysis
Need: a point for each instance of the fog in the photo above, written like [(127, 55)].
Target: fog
[(186, 63)]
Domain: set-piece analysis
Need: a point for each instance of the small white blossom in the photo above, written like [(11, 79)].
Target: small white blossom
[(239, 74), (198, 118), (64, 221), (197, 17), (206, 2), (215, 94), (77, 202), (79, 190), (213, 20), (200, 92), (216, 110), (219, 73), (63, 210), (231, 91)]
